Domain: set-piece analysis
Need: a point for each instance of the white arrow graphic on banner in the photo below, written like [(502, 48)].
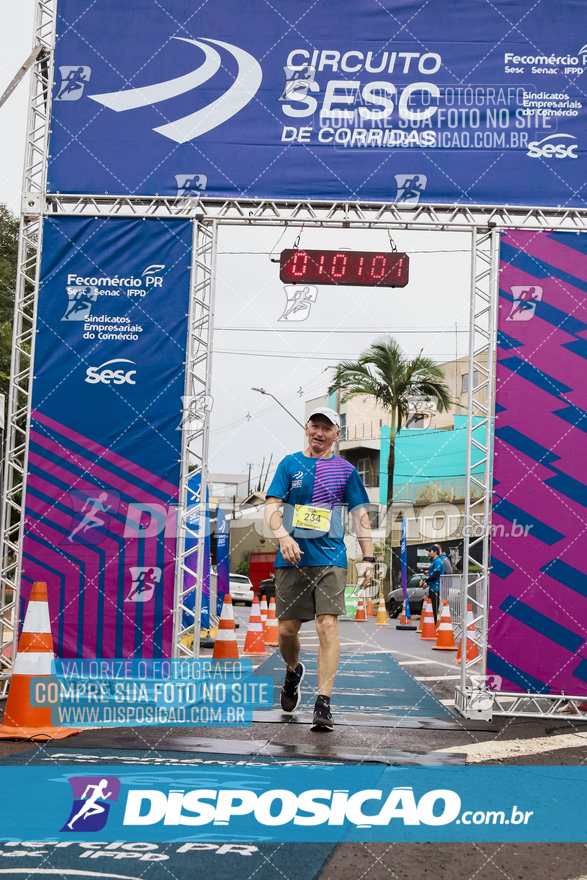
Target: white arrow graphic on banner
[(238, 96), (130, 99), (195, 124)]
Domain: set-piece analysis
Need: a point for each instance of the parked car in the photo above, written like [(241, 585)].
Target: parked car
[(267, 588), (241, 588), (416, 596)]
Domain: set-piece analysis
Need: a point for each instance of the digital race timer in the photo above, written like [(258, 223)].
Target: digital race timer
[(359, 268)]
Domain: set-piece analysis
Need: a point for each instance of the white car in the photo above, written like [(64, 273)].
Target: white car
[(241, 589)]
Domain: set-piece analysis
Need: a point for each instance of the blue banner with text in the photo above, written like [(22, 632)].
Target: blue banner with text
[(269, 803), (408, 102)]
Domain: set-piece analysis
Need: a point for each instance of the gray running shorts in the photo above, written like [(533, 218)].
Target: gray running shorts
[(304, 592)]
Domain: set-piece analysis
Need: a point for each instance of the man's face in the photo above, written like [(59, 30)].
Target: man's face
[(321, 434), (432, 555)]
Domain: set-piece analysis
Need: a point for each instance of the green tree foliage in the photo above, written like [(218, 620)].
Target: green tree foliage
[(8, 264), (243, 566), (384, 372)]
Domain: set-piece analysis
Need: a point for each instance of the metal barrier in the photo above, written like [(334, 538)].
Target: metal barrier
[(451, 590)]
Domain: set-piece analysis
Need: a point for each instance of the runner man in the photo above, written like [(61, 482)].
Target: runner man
[(311, 564)]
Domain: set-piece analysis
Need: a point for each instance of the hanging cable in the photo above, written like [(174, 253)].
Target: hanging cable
[(296, 243), (272, 251)]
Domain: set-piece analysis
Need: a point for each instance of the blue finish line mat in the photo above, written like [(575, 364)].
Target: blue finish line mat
[(165, 861), (373, 686)]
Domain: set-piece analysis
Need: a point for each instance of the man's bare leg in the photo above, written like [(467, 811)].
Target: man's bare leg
[(328, 652), (288, 641)]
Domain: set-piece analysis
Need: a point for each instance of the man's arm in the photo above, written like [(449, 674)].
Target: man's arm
[(434, 573), (363, 533), (290, 549)]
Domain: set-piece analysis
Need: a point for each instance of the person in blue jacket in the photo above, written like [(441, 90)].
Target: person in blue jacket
[(303, 509), (433, 579)]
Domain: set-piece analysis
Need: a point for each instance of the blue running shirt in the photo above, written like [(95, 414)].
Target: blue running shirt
[(321, 482)]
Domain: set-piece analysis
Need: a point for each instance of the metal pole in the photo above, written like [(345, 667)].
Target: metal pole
[(268, 393), (203, 523), (469, 444)]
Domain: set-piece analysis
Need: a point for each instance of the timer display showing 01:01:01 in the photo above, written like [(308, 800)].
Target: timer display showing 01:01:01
[(359, 268)]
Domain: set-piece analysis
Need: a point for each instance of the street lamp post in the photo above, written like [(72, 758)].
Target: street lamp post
[(268, 393)]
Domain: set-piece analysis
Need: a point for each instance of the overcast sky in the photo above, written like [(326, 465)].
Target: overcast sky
[(254, 348), (16, 42)]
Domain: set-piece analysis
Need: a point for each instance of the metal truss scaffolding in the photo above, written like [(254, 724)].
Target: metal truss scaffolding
[(19, 396), (197, 404), (473, 697)]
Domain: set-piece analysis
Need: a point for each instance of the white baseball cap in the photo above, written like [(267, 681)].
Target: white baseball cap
[(330, 414)]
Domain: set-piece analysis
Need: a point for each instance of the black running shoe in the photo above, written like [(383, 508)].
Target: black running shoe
[(290, 692), (322, 715)]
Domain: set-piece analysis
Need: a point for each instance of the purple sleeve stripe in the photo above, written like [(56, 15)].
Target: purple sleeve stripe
[(330, 481)]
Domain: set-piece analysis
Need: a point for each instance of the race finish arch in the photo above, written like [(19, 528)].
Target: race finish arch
[(367, 115)]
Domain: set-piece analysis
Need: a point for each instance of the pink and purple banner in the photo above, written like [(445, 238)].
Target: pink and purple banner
[(538, 588)]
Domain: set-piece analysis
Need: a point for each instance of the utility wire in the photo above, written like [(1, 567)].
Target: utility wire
[(328, 331)]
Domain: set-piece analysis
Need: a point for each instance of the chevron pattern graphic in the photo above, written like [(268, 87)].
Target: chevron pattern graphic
[(538, 587)]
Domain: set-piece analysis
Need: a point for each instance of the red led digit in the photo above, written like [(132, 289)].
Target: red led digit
[(361, 268), (374, 272), (339, 272), (299, 271)]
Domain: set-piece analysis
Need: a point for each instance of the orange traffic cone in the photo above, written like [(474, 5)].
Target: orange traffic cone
[(405, 621), (428, 627), (270, 635), (446, 639), (225, 644), (35, 653), (254, 643), (360, 614), (370, 612), (264, 611), (472, 652), (381, 619)]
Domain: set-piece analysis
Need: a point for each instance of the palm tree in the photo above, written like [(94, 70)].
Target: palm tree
[(384, 372)]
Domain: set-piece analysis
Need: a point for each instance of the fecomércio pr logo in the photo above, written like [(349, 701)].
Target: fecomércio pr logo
[(92, 798)]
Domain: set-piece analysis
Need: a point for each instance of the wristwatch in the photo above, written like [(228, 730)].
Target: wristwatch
[(369, 559)]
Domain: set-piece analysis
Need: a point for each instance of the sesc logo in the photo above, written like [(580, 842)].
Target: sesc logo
[(547, 150), (106, 375)]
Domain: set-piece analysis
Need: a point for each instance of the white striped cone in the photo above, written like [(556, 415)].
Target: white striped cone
[(254, 642), (264, 611), (381, 619), (446, 639), (271, 628), (35, 654), (472, 650), (428, 625), (360, 612), (225, 644)]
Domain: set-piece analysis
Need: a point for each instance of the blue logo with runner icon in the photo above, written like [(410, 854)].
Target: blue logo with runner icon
[(410, 187), (74, 78), (79, 303), (92, 798), (190, 184)]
